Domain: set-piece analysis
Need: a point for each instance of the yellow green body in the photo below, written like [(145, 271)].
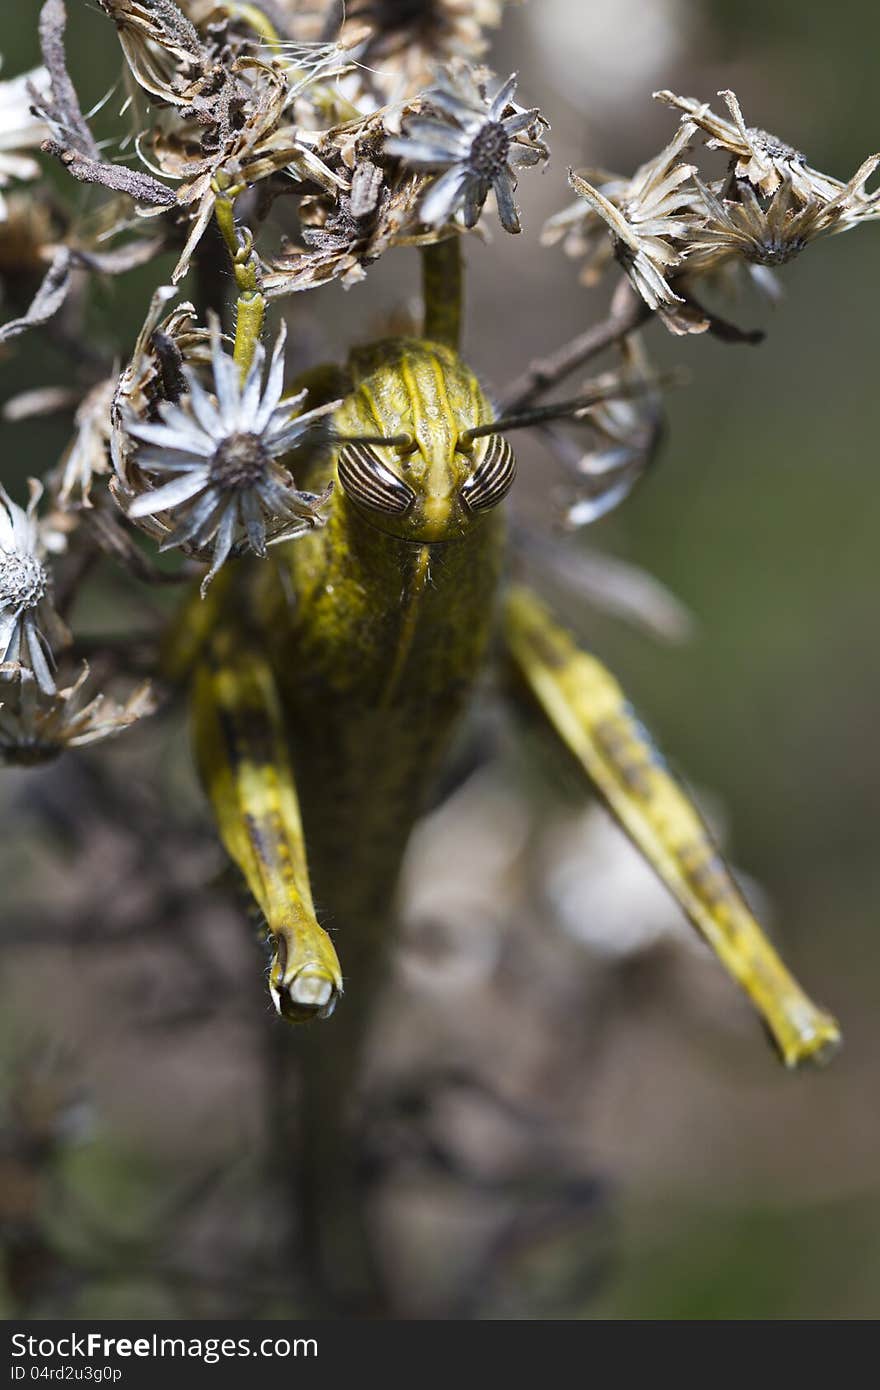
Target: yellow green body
[(367, 637), (377, 655)]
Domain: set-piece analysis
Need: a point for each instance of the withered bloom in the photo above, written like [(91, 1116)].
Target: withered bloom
[(668, 227), (407, 39), (475, 144), (625, 425), (263, 143), (582, 231), (163, 49), (19, 129), (87, 455), (37, 725), (771, 231), (210, 464), (762, 158), (650, 220), (29, 625), (141, 386), (376, 207), (342, 236), (228, 126)]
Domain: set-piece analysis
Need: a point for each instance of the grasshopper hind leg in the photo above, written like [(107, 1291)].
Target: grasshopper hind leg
[(592, 720)]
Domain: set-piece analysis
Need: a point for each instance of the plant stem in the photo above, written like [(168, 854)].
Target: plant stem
[(442, 291), (250, 308)]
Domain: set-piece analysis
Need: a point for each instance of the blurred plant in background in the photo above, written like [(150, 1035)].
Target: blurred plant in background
[(524, 989)]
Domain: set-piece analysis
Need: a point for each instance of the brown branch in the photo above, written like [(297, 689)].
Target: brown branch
[(723, 329), (115, 541), (141, 187), (628, 312)]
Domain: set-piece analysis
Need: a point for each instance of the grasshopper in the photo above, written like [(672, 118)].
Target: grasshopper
[(328, 686)]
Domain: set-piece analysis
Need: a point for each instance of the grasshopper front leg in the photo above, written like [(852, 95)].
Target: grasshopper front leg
[(241, 750), (589, 712)]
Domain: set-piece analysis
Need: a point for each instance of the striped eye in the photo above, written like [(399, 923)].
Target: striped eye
[(365, 479), (492, 478)]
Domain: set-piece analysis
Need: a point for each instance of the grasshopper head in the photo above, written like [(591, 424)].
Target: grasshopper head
[(406, 463)]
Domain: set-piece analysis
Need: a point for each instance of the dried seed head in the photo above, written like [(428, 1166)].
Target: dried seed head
[(405, 40), (649, 219), (474, 144), (489, 150), (771, 231), (239, 462), (757, 155), (773, 146), (23, 580), (209, 475), (26, 611), (36, 724)]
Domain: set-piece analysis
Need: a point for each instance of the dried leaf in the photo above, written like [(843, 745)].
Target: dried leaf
[(43, 400), (124, 258), (48, 299)]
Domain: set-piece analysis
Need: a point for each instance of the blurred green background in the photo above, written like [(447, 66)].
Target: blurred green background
[(741, 1191)]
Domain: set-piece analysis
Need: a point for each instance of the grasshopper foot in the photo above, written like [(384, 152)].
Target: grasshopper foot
[(311, 993)]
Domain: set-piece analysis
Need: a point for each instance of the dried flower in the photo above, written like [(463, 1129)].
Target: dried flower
[(407, 39), (475, 145), (762, 158), (582, 231), (262, 145), (771, 231), (87, 455), (36, 725), (650, 219), (626, 425), (228, 128), (19, 129), (218, 458), (344, 235), (141, 385), (343, 232), (162, 48), (627, 437), (25, 584)]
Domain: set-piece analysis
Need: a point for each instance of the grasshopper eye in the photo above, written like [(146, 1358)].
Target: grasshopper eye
[(491, 479), (365, 479)]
